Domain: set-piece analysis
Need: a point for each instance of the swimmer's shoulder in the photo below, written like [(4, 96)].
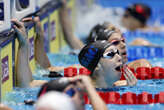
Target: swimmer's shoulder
[(139, 63)]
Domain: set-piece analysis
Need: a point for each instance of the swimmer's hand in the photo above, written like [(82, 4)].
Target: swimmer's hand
[(20, 31), (82, 81), (36, 21), (129, 76)]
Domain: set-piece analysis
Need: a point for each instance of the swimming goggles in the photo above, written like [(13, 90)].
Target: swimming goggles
[(116, 42), (110, 54), (71, 92)]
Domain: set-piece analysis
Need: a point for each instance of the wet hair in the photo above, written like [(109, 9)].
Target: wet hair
[(100, 32), (54, 85), (140, 11)]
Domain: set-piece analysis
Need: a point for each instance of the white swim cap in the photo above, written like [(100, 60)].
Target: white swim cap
[(55, 101)]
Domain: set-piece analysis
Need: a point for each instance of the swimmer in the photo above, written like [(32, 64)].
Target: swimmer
[(55, 101), (104, 61), (23, 71), (136, 16), (39, 52), (114, 36), (75, 88), (141, 42)]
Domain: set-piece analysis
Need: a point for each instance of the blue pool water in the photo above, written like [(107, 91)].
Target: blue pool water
[(16, 98)]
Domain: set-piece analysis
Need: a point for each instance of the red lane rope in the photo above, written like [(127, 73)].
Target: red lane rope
[(142, 73), (129, 98)]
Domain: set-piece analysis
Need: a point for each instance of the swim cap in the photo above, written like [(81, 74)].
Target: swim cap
[(140, 11), (90, 55), (100, 32), (54, 85), (55, 101)]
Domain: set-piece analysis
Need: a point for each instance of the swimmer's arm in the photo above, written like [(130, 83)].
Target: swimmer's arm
[(139, 63), (39, 53), (23, 72), (95, 99), (65, 21)]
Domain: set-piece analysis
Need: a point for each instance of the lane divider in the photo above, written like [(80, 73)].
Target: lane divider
[(129, 98), (142, 73)]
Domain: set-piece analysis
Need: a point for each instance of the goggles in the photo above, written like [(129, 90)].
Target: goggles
[(110, 54), (116, 42), (71, 92)]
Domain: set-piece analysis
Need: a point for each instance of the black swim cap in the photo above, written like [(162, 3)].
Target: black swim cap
[(100, 32), (140, 11), (54, 85), (90, 55)]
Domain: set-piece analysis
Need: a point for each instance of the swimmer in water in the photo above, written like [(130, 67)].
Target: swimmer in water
[(115, 37), (104, 61), (76, 87), (136, 16)]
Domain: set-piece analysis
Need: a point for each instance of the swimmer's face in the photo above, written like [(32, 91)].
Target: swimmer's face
[(111, 63), (118, 40), (125, 20), (129, 21), (77, 96)]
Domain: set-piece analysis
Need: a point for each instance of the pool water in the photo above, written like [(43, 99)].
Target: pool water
[(157, 62), (16, 98)]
